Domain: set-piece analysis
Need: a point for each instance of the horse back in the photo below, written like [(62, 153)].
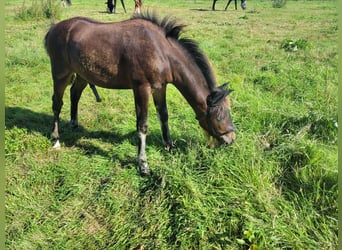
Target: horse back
[(112, 55)]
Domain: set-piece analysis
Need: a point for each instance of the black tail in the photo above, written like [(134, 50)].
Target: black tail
[(47, 35)]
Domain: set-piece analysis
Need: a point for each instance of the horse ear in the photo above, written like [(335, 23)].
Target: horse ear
[(223, 87), (216, 97), (229, 91)]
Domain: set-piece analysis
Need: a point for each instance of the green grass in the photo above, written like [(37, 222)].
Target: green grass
[(275, 188)]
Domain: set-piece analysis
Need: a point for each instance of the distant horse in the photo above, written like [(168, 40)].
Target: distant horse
[(243, 4), (66, 2), (143, 53), (112, 6)]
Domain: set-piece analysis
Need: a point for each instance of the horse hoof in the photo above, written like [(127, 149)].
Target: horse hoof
[(145, 171), (169, 146), (73, 124), (56, 145)]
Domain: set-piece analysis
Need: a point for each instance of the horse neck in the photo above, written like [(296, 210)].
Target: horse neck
[(189, 80)]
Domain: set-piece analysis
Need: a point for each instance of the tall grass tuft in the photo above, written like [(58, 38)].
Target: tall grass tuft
[(39, 10), (278, 3)]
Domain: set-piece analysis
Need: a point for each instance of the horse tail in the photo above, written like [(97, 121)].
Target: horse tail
[(47, 35)]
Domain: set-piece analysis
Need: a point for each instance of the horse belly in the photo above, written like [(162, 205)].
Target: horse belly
[(106, 81), (101, 70)]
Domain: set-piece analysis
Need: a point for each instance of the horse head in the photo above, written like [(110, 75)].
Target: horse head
[(216, 120)]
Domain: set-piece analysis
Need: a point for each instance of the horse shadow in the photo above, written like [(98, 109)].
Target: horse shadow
[(200, 9), (106, 12), (36, 122), (205, 9)]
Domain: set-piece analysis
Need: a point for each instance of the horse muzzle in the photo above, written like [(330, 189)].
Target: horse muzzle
[(227, 138)]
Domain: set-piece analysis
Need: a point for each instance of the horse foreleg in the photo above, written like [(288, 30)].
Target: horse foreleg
[(59, 86), (75, 95), (141, 97), (228, 4), (213, 7), (159, 98), (123, 5)]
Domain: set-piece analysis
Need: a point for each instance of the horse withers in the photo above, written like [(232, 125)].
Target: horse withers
[(143, 53)]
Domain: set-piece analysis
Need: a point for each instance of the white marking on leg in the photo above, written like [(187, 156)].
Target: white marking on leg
[(56, 145), (142, 155)]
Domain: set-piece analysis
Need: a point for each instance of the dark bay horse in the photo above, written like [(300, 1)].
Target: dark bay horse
[(143, 53), (243, 4)]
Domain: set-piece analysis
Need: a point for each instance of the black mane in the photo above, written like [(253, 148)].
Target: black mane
[(173, 29)]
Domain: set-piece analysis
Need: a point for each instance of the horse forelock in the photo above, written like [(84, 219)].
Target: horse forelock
[(173, 29)]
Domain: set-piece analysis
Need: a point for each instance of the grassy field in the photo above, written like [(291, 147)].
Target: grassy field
[(275, 188)]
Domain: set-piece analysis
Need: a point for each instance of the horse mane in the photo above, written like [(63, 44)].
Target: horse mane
[(173, 29)]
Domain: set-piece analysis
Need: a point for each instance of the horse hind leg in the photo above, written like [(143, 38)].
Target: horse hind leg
[(159, 98), (75, 94), (59, 85)]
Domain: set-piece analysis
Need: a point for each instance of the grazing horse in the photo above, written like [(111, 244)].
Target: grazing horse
[(143, 53), (112, 6), (243, 4)]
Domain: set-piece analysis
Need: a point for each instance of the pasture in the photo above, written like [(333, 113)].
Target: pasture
[(274, 188)]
